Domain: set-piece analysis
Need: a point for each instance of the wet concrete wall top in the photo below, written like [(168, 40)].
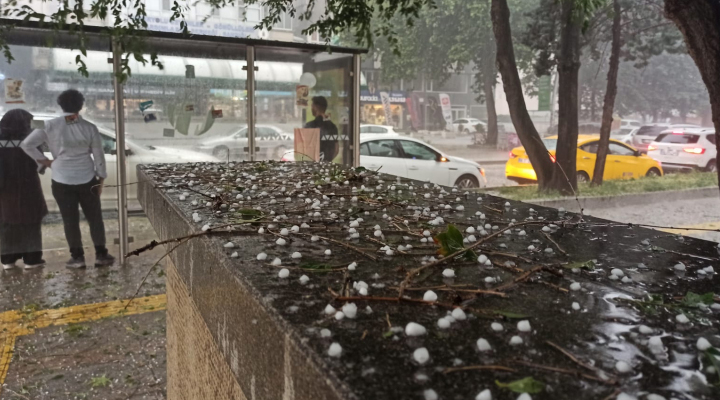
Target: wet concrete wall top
[(320, 282)]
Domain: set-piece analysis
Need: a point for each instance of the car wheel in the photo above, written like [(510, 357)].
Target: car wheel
[(583, 177), (467, 181), (222, 153), (279, 152), (711, 166), (653, 172)]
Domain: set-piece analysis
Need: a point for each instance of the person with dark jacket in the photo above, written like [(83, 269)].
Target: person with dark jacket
[(22, 204), (329, 137)]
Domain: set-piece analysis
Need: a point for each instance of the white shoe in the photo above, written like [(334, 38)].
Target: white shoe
[(33, 266), (9, 266)]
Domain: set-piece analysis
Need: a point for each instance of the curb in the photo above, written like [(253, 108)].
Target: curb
[(601, 202), (491, 162)]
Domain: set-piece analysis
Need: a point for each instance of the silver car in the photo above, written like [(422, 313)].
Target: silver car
[(642, 138), (271, 141)]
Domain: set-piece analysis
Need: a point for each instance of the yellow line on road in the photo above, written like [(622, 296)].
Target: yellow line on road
[(693, 228), (24, 322)]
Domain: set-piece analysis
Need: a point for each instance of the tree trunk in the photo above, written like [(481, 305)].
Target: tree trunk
[(698, 22), (565, 176), (527, 133), (489, 80), (610, 92)]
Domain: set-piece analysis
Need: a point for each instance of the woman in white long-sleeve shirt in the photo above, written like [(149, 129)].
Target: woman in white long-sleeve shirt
[(78, 171)]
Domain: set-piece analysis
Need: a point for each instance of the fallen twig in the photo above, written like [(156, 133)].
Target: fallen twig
[(455, 289), (555, 243), (525, 276), (562, 371), (578, 362)]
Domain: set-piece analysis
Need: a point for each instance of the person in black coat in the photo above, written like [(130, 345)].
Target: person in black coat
[(22, 204)]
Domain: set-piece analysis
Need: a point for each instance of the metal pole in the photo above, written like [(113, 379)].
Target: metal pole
[(355, 127), (251, 101), (120, 150)]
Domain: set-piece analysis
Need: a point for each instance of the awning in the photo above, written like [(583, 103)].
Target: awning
[(96, 61)]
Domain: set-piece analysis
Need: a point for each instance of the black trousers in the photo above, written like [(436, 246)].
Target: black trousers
[(68, 197), (21, 242)]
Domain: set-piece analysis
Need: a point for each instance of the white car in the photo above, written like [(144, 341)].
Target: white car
[(272, 141), (642, 138), (414, 159), (377, 130), (135, 154), (467, 125), (685, 149)]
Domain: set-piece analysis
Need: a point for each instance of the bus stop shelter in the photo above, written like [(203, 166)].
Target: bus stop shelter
[(194, 108)]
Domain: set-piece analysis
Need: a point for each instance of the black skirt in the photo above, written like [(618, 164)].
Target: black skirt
[(20, 238)]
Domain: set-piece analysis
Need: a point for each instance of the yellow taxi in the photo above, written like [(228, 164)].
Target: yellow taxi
[(623, 161)]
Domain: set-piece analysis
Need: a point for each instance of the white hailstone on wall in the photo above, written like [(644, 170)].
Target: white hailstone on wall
[(261, 256), (703, 344), (335, 350), (682, 319), (329, 310), (484, 395), (281, 242), (328, 252), (415, 329), (516, 340), (350, 310), (645, 330), (295, 229), (483, 345), (284, 273), (421, 355), (679, 267), (524, 326), (622, 367), (296, 255), (234, 254), (314, 238), (575, 286), (430, 296), (576, 306), (459, 314), (448, 273), (352, 266), (497, 327), (229, 245), (443, 323), (482, 258)]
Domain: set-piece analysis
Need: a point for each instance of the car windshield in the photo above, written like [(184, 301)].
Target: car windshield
[(677, 139)]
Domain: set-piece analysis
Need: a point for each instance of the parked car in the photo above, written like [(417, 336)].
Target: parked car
[(467, 125), (415, 159), (622, 162), (685, 149), (624, 133), (647, 133), (377, 130), (271, 140), (135, 154)]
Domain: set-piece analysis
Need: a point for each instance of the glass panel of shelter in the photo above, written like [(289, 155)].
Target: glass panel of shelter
[(298, 91), (193, 110), (33, 82)]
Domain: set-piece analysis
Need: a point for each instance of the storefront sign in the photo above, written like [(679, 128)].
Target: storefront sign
[(446, 109), (395, 97)]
